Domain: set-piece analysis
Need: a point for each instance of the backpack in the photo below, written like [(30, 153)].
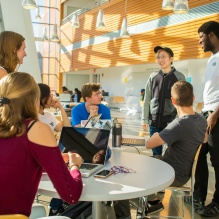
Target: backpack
[(81, 210)]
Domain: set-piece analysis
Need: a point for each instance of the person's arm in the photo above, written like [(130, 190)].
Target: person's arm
[(154, 141), (46, 153), (212, 119), (169, 135), (146, 104), (65, 119), (2, 73)]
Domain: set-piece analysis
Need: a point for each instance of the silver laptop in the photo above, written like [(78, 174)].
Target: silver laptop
[(90, 143), (65, 97)]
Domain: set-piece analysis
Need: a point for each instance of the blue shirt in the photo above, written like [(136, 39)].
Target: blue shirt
[(79, 113)]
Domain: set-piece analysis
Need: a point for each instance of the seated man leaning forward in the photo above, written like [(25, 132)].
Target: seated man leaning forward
[(183, 135), (91, 106)]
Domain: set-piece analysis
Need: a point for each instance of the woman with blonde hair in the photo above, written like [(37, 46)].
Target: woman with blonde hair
[(28, 147), (12, 51)]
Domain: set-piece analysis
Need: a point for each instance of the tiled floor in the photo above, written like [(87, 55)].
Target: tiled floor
[(131, 125)]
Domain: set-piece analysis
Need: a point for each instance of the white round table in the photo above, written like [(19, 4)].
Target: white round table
[(152, 175)]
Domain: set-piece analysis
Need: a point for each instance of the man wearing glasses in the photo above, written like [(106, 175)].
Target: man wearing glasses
[(84, 111), (91, 106), (158, 109)]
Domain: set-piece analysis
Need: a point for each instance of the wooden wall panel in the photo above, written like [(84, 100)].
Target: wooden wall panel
[(138, 49), (138, 11)]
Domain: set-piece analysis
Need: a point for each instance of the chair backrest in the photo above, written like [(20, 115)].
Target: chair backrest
[(13, 216), (196, 160)]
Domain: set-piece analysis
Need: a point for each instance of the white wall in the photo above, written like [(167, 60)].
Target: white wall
[(18, 20), (128, 80)]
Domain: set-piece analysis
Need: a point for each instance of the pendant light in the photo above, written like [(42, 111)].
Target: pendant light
[(100, 20), (124, 29), (29, 4), (168, 4), (75, 21), (55, 37), (44, 37), (38, 17), (181, 7)]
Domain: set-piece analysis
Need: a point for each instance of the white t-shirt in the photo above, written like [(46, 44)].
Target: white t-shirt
[(211, 90), (49, 119)]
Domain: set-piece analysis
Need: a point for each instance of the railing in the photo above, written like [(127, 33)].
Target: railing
[(84, 10)]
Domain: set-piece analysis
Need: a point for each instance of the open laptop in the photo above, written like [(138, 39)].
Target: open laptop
[(65, 97), (90, 143)]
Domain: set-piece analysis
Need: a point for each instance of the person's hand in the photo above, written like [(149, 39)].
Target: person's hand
[(93, 110), (145, 127), (75, 159), (54, 102), (211, 120)]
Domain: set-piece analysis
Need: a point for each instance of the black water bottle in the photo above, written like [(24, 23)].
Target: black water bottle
[(117, 135)]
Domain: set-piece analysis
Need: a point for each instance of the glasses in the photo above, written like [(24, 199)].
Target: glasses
[(121, 169), (161, 57)]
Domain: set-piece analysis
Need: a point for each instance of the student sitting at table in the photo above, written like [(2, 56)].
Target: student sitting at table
[(92, 107), (28, 147), (47, 101), (183, 137)]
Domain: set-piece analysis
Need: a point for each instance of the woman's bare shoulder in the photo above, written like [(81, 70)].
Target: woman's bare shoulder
[(41, 133), (3, 72)]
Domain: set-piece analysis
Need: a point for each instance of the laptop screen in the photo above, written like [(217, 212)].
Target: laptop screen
[(65, 97), (90, 143)]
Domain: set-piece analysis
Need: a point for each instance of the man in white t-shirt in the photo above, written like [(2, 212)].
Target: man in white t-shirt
[(209, 41)]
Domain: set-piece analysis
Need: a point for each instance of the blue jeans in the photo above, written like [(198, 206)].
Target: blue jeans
[(157, 150)]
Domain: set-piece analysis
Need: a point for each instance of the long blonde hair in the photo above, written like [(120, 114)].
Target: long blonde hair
[(10, 42), (23, 94)]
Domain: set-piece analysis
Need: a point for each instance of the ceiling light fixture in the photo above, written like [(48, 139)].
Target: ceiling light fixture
[(38, 17), (55, 37), (29, 4), (181, 7), (75, 21), (168, 4), (124, 29), (100, 19), (44, 37)]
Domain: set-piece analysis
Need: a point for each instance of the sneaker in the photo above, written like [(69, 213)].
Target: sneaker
[(210, 210), (197, 204), (153, 207)]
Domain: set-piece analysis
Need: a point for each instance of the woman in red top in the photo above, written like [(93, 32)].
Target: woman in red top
[(28, 147)]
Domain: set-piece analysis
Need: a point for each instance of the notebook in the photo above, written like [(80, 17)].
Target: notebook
[(65, 97), (90, 143)]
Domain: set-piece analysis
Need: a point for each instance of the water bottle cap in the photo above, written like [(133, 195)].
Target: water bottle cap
[(118, 125)]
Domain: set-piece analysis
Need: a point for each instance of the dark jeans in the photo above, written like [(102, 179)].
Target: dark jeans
[(157, 150), (201, 176)]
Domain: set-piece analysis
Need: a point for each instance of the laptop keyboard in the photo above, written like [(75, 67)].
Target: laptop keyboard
[(86, 166), (133, 141)]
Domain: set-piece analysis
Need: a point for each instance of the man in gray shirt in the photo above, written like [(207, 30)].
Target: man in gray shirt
[(183, 135)]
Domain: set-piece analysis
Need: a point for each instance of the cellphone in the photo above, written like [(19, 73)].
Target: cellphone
[(103, 174)]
